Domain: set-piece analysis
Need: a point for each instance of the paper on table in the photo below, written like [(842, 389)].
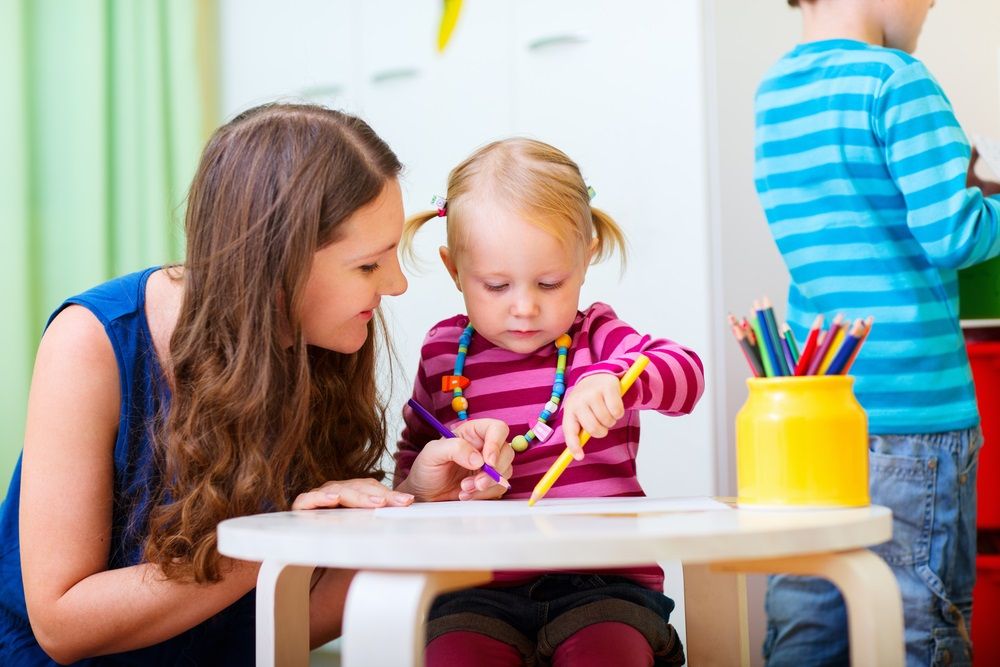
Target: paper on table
[(603, 506)]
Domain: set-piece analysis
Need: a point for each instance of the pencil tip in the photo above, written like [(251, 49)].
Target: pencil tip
[(531, 502)]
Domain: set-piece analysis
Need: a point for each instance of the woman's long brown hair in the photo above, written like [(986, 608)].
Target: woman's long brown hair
[(256, 416)]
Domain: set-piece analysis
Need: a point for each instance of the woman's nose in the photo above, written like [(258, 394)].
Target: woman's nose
[(395, 282)]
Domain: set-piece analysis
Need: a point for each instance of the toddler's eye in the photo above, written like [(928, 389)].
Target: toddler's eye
[(369, 268), (550, 285), (495, 288)]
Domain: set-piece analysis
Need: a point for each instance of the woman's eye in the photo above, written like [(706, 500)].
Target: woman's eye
[(496, 288), (369, 268)]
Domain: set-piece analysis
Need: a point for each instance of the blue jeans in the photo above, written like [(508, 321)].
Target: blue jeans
[(536, 617), (929, 482)]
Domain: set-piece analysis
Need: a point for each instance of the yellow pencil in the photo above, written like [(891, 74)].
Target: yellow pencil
[(838, 340), (550, 477)]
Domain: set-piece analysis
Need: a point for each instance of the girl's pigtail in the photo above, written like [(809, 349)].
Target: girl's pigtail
[(610, 238), (410, 228)]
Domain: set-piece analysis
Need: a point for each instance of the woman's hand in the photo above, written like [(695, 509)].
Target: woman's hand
[(364, 492), (594, 405), (449, 469)]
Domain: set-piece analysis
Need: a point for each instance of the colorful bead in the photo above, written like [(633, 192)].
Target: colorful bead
[(452, 382), (541, 431)]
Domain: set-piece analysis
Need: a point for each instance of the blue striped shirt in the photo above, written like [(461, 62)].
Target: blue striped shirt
[(861, 167)]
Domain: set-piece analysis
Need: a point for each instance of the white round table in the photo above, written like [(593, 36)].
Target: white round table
[(404, 563)]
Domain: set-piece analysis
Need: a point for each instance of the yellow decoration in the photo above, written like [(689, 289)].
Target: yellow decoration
[(459, 404), (564, 341), (449, 17), (519, 443)]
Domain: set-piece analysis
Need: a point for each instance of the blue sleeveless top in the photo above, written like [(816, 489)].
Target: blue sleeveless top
[(225, 639)]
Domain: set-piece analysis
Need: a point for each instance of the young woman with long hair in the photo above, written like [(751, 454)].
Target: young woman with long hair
[(240, 381)]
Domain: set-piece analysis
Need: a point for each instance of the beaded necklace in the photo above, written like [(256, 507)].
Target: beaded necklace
[(541, 430)]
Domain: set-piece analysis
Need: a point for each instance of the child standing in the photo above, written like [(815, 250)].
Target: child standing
[(521, 234), (862, 170), (243, 381)]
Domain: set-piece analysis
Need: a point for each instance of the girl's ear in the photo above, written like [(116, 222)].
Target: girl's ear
[(592, 250), (449, 264)]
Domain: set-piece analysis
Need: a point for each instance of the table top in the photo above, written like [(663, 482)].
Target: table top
[(361, 539)]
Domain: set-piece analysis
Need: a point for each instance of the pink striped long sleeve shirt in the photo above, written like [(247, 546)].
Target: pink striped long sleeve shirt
[(514, 387)]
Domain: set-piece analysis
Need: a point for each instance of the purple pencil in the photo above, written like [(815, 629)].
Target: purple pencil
[(447, 433), (825, 346)]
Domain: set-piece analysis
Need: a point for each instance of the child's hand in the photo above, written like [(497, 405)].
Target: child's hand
[(364, 492), (972, 180), (491, 435), (442, 468), (594, 405)]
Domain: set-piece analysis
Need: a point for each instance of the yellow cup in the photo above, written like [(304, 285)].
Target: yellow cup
[(802, 442)]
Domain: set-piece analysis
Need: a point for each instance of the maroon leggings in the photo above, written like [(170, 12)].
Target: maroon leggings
[(600, 644)]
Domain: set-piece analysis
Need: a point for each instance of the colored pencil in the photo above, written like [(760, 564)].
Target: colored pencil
[(765, 359), (748, 330), (810, 347), (793, 347), (557, 468), (752, 342), (772, 328), (770, 343), (749, 352), (838, 342), (447, 433), (847, 348), (786, 350), (857, 348), (824, 345)]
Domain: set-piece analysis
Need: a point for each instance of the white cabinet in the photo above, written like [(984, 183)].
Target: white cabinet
[(291, 51), (616, 85)]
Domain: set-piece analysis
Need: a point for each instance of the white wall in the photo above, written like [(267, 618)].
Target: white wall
[(618, 86)]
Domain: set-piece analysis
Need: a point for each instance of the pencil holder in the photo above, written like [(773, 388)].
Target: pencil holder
[(802, 442)]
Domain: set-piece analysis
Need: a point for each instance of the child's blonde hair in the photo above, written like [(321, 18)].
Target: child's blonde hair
[(530, 178)]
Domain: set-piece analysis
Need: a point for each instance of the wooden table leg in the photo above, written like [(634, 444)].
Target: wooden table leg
[(871, 594), (283, 614), (386, 614), (715, 616)]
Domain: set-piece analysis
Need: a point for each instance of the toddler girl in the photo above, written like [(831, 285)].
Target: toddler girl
[(521, 234)]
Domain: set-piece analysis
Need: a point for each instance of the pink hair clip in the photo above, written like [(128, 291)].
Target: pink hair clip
[(441, 204)]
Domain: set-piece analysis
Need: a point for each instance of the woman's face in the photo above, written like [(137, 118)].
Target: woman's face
[(349, 277)]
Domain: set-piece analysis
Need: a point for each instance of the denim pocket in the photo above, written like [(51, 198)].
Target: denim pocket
[(904, 484), (950, 649)]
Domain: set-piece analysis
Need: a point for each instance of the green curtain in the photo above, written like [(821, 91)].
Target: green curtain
[(105, 106)]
